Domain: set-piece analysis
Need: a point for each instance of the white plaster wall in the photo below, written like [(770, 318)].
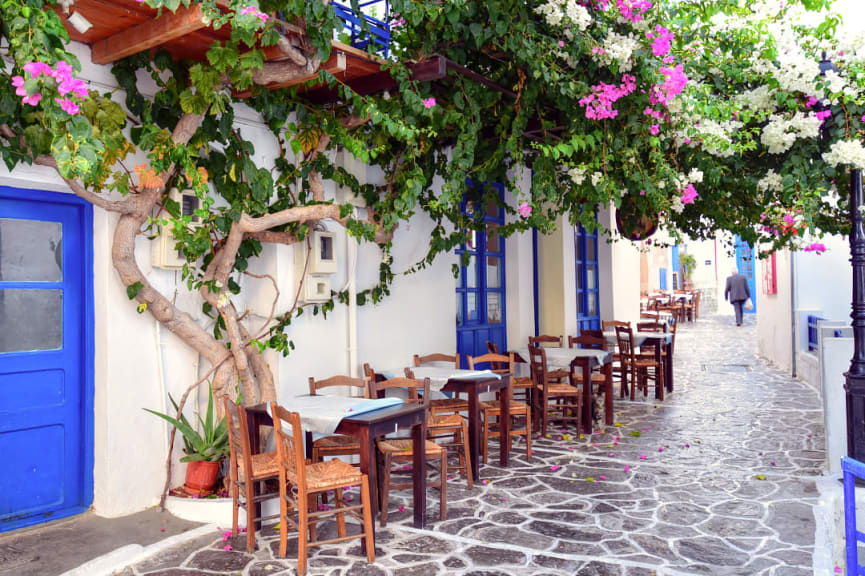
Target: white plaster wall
[(774, 330), (519, 277), (824, 282), (619, 263)]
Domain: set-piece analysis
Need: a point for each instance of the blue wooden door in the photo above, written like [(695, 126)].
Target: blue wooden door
[(588, 288), (746, 265), (46, 435), (481, 285)]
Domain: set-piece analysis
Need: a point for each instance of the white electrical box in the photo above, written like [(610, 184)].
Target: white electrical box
[(344, 194), (163, 251), (322, 254), (316, 288)]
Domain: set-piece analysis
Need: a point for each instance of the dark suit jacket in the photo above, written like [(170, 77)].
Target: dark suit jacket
[(737, 288)]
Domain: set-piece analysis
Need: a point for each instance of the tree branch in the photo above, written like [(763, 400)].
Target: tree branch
[(126, 206)]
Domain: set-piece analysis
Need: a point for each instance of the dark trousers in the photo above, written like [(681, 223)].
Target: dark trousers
[(738, 306)]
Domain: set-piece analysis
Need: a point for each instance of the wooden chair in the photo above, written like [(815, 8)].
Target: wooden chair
[(299, 483), (337, 444), (638, 367), (522, 385), (617, 358), (588, 341), (245, 470), (491, 410), (392, 450), (443, 405), (552, 396), (554, 342), (442, 426)]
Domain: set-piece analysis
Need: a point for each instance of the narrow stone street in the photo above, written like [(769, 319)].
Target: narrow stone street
[(717, 479)]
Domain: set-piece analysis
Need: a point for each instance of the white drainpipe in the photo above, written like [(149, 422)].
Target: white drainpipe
[(351, 272)]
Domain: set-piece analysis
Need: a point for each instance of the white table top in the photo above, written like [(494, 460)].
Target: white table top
[(560, 358), (322, 413), (439, 375), (640, 338)]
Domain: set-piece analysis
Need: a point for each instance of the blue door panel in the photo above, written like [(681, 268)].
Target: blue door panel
[(46, 396), (745, 263)]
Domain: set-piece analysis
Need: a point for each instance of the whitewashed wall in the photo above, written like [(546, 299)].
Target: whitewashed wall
[(619, 263), (774, 330)]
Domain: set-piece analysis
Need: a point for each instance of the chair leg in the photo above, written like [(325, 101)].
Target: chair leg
[(486, 439), (384, 492), (545, 414), (633, 384), (529, 434), (465, 454), (340, 516), (302, 531), (283, 523), (443, 503), (249, 485), (235, 506), (368, 538)]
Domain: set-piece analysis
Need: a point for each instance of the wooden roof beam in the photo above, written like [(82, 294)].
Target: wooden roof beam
[(148, 34)]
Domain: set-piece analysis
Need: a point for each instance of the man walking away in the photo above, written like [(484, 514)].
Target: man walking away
[(737, 292)]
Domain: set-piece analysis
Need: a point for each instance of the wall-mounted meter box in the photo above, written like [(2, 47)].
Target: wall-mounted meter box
[(322, 254), (163, 249), (344, 194), (316, 288)]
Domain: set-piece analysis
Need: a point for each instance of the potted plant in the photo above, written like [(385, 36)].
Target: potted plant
[(635, 218), (204, 451)]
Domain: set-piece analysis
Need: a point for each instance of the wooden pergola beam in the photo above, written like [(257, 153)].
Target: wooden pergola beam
[(148, 34)]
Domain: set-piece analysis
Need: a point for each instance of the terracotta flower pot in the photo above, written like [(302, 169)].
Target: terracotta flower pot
[(201, 477)]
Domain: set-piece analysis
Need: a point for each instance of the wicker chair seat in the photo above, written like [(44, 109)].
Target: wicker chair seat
[(448, 405), (337, 442), (561, 390), (327, 475), (402, 447), (595, 377), (521, 383), (557, 374), (444, 421), (264, 465), (495, 408)]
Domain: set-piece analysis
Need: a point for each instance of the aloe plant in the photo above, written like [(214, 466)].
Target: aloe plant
[(211, 445)]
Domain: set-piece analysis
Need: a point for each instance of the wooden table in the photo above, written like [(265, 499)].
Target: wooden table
[(449, 380), (657, 339), (367, 427), (587, 359)]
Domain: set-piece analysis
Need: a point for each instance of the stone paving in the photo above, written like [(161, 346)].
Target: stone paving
[(718, 479)]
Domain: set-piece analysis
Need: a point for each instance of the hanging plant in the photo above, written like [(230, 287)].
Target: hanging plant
[(636, 220)]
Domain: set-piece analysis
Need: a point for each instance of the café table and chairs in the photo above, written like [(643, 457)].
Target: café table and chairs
[(400, 450), (601, 375), (437, 406), (337, 444), (640, 368), (491, 410), (300, 481)]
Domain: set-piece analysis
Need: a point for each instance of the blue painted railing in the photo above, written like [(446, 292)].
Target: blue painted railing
[(379, 29), (813, 332), (852, 469)]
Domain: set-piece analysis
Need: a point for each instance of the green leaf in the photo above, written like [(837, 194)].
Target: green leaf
[(133, 289)]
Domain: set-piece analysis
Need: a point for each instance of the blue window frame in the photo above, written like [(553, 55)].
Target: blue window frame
[(480, 288), (588, 292), (662, 278)]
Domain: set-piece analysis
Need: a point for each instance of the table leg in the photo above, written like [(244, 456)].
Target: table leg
[(368, 467), (587, 398), (608, 394), (668, 369), (474, 431), (659, 385), (419, 472), (505, 426)]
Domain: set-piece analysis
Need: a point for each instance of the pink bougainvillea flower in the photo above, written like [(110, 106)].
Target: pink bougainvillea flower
[(838, 570), (602, 477), (32, 100), (68, 106), (227, 548), (660, 449), (505, 498), (645, 429), (817, 247), (561, 43), (429, 102), (555, 467), (822, 115), (402, 508), (655, 129), (627, 468), (642, 456), (863, 118), (162, 529), (760, 454), (661, 44), (642, 192), (36, 69), (687, 445), (612, 455), (771, 464), (810, 101), (18, 83), (689, 195), (525, 212)]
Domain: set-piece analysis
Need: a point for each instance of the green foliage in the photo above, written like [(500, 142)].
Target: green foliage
[(208, 445), (688, 264)]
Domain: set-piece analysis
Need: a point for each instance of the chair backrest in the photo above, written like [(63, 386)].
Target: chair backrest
[(505, 363), (492, 348), (358, 384), (592, 333), (418, 390), (625, 340), (588, 341), (289, 446), (607, 324), (437, 357), (539, 341), (538, 362), (650, 326), (238, 437)]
